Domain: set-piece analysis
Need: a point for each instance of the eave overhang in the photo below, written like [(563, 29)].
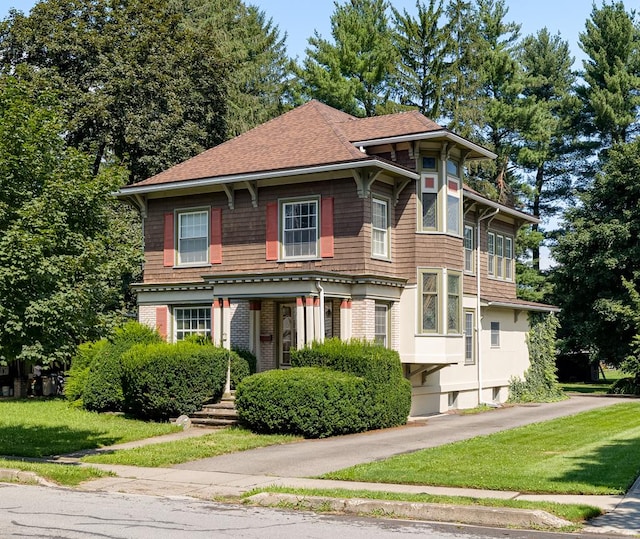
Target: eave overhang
[(521, 306), (470, 195), (478, 152), (130, 191)]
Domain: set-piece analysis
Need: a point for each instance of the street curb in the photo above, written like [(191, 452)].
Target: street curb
[(503, 517), (19, 476)]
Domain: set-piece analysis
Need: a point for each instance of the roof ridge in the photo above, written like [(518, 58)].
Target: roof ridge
[(333, 125)]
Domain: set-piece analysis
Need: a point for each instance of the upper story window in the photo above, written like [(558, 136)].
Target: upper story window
[(429, 198), (441, 301), (453, 206), (500, 256), (453, 168), (300, 229), (468, 248), (379, 228), (192, 321), (193, 237)]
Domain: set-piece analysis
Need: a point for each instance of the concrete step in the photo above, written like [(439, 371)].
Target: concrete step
[(212, 422), (222, 405), (230, 413)]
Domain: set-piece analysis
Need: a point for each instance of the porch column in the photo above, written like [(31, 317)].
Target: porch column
[(317, 313), (216, 323), (299, 322), (255, 308), (226, 324), (345, 320), (309, 320)]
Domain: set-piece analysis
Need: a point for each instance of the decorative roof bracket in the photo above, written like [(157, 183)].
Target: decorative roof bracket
[(253, 191), (230, 195), (398, 187), (364, 179)]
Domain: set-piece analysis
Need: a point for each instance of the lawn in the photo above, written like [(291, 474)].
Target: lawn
[(40, 428), (595, 452), (219, 442), (601, 386)]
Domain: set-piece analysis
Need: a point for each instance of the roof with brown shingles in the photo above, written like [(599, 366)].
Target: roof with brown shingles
[(311, 135)]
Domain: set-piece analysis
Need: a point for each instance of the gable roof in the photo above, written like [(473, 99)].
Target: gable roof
[(311, 135)]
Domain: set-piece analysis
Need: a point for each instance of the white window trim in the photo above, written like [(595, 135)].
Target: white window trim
[(387, 314), (471, 336), (281, 227), (496, 334), (456, 194), (175, 330), (442, 301), (469, 252), (503, 267), (387, 231), (430, 177), (179, 214)]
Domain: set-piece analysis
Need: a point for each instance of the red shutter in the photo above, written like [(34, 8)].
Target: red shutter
[(169, 256), (326, 228), (215, 249), (272, 231), (162, 321)]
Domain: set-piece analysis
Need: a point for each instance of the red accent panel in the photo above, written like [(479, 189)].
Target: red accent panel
[(453, 186), (162, 321), (299, 301), (272, 231), (225, 303), (309, 302), (326, 228), (429, 182), (169, 255), (215, 249)]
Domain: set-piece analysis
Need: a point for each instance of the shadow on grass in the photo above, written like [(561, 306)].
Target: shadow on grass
[(41, 441), (614, 466)]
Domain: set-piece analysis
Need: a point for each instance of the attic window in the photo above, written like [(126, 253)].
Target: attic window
[(429, 163)]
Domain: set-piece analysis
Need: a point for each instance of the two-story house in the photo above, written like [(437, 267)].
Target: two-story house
[(318, 224)]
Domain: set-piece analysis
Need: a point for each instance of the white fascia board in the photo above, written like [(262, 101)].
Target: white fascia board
[(501, 207), (220, 180), (524, 306), (427, 135)]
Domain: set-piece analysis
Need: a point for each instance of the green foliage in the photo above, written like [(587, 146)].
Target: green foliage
[(249, 357), (165, 380), (103, 386), (597, 255), (540, 382), (625, 386), (80, 364), (354, 72), (64, 258), (311, 401), (388, 395)]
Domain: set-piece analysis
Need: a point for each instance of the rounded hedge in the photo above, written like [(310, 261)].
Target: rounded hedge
[(77, 376), (164, 380), (310, 401), (388, 397)]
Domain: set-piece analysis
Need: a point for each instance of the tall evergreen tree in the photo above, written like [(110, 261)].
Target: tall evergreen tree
[(599, 257), (424, 45), (611, 41), (352, 73)]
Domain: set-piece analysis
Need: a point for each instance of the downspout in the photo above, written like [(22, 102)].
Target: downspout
[(321, 294), (478, 306)]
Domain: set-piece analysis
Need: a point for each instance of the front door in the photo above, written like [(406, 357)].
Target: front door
[(287, 333)]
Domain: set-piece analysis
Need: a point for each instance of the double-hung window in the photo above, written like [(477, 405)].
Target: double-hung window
[(453, 206), (500, 256), (491, 253), (495, 334), (508, 259), (193, 237), (468, 249), (379, 228), (429, 199), (382, 324), (192, 321), (469, 341), (441, 301), (300, 229)]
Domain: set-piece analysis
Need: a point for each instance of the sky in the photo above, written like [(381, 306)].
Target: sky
[(298, 19)]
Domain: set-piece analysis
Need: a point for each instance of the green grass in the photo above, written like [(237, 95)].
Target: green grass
[(39, 428), (599, 387), (228, 440), (572, 512), (63, 474), (595, 452)]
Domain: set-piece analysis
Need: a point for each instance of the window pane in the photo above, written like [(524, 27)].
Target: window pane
[(452, 168), (381, 324), (468, 248), (379, 223), (495, 334), (429, 312), (453, 303), (193, 237), (491, 248), (429, 163), (429, 210), (453, 214), (429, 282), (192, 321), (300, 229), (468, 338)]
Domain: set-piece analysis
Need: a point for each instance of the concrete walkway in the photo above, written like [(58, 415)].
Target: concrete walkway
[(292, 464)]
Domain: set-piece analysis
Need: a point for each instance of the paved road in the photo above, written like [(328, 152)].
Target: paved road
[(27, 511), (316, 457)]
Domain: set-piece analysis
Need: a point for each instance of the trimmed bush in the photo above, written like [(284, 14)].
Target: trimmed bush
[(164, 380), (310, 401), (387, 399), (77, 377), (249, 357), (103, 388)]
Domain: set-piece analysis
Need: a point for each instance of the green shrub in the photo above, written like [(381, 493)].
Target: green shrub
[(164, 380), (540, 382), (625, 386), (103, 386), (249, 357), (310, 401), (77, 376), (387, 400), (240, 366)]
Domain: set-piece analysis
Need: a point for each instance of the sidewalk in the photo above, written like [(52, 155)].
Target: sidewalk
[(292, 464)]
